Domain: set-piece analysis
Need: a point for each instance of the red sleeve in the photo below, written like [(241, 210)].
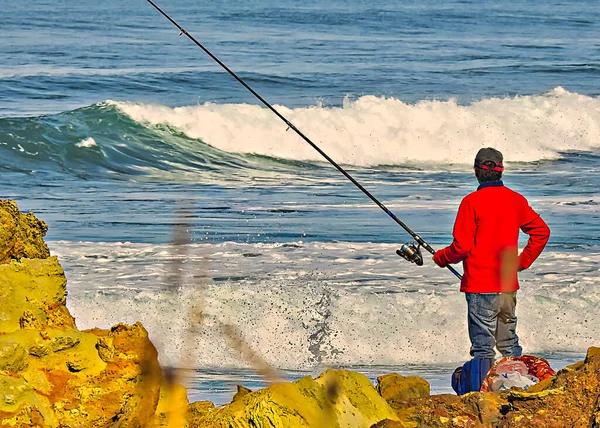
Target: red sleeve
[(464, 236), (538, 232)]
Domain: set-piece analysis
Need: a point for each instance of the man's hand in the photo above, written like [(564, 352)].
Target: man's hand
[(437, 259)]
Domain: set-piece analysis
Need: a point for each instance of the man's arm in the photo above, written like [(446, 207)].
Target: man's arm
[(539, 233), (464, 238)]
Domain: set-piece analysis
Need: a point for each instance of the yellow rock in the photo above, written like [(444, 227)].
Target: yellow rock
[(13, 356), (21, 235), (73, 386), (592, 353), (172, 406), (51, 374), (33, 295), (20, 405), (198, 410), (400, 388), (242, 391), (337, 398), (528, 395)]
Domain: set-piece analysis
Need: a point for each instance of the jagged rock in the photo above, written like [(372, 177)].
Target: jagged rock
[(172, 407), (61, 343), (571, 398), (76, 365), (74, 386), (21, 235), (33, 296), (242, 391), (337, 398), (51, 374), (39, 350), (198, 409), (13, 357), (394, 387), (106, 351)]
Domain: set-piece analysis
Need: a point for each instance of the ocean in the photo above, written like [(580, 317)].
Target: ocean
[(168, 189)]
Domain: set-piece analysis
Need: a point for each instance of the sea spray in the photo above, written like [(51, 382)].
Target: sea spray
[(321, 303)]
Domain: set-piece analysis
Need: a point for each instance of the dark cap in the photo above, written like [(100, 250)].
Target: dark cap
[(489, 158)]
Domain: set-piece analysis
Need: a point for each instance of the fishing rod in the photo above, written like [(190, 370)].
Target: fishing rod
[(408, 251)]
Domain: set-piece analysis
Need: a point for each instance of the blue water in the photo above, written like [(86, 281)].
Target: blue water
[(58, 56), (118, 133)]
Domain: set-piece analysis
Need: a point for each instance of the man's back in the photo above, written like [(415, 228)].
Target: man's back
[(486, 235)]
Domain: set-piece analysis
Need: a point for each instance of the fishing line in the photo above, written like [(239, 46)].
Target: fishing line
[(408, 251)]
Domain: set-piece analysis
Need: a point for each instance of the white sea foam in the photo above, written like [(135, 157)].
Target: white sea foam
[(386, 131), (86, 143), (33, 70), (305, 304)]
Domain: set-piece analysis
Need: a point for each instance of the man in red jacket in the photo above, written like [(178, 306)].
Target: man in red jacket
[(486, 234)]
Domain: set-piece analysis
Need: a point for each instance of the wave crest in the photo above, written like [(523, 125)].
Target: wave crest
[(386, 131)]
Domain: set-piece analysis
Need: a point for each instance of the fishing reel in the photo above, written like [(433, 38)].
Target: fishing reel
[(411, 253)]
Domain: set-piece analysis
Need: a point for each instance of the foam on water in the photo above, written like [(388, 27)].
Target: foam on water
[(303, 305), (87, 142), (386, 131)]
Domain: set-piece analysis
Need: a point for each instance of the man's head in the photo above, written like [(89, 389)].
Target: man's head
[(488, 165)]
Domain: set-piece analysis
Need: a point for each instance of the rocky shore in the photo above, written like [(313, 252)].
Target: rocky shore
[(54, 375)]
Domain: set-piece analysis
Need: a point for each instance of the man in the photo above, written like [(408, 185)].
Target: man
[(486, 235)]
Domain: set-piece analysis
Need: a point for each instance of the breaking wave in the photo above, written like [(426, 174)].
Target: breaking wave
[(121, 139), (386, 131)]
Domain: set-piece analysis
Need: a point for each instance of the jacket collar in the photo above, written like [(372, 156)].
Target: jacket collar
[(490, 184)]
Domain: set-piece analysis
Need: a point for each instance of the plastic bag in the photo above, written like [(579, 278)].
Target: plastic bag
[(512, 366), (508, 380), (538, 368)]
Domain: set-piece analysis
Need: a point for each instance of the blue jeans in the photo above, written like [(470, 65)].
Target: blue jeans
[(493, 323)]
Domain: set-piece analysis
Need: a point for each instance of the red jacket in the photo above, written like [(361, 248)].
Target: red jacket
[(486, 234)]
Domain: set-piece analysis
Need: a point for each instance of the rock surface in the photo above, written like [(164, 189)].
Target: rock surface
[(337, 398), (33, 296), (21, 235), (51, 374), (397, 389), (569, 399)]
